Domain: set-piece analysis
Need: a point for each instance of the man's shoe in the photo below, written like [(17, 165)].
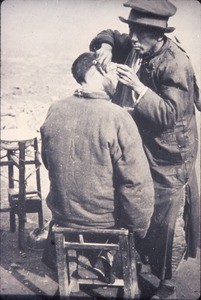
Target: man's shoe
[(165, 292), (104, 270)]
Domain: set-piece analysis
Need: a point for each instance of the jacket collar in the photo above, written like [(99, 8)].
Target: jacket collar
[(89, 94)]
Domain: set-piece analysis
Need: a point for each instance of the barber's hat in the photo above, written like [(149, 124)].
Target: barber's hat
[(154, 13)]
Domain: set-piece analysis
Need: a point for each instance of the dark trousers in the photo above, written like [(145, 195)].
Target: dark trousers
[(159, 243)]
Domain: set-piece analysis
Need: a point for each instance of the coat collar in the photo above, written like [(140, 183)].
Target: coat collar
[(89, 94)]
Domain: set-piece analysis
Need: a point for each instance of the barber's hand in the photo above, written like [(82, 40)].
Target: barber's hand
[(128, 77), (104, 55)]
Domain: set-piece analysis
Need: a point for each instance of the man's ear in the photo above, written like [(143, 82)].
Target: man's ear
[(90, 74)]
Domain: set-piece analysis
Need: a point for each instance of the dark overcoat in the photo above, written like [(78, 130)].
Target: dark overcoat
[(165, 117)]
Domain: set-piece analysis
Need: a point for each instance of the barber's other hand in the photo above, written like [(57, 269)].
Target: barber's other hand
[(128, 77), (104, 55)]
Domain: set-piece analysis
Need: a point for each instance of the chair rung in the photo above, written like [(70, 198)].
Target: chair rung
[(30, 162), (118, 282), (15, 160), (71, 245), (113, 232), (15, 191), (5, 209), (6, 163)]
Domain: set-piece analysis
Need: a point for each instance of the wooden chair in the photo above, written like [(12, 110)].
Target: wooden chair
[(22, 200), (125, 246)]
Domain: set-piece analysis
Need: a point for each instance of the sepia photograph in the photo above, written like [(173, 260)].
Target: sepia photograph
[(100, 149)]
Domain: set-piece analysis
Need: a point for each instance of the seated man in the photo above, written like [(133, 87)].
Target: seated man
[(99, 174)]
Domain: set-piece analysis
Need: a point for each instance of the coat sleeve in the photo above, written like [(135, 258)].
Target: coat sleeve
[(43, 134), (134, 182), (175, 93), (121, 44), (43, 153)]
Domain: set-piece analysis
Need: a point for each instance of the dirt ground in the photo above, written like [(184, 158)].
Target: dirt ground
[(39, 41)]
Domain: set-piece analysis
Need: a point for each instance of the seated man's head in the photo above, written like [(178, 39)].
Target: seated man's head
[(88, 72)]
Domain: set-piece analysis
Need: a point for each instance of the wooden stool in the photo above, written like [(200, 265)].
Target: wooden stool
[(22, 200), (125, 246)]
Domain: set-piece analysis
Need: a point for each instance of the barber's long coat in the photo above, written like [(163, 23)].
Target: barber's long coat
[(165, 117)]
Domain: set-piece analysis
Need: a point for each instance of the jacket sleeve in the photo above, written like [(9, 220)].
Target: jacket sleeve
[(134, 182), (43, 153), (121, 44), (175, 90), (43, 134)]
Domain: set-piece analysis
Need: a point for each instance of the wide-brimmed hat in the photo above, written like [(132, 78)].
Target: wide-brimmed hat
[(153, 13)]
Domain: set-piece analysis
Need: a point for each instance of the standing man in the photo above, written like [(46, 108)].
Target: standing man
[(99, 174), (161, 97)]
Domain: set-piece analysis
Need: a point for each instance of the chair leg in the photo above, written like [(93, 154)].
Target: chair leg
[(40, 217), (21, 234), (12, 221), (135, 294), (11, 186), (37, 166), (124, 249), (21, 196), (64, 289)]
